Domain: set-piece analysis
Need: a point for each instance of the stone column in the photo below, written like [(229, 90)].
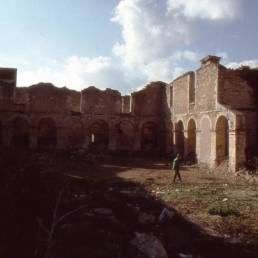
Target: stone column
[(198, 144), (185, 132), (212, 161), (237, 147)]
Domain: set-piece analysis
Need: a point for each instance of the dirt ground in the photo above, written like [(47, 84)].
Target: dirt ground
[(200, 192), (74, 205)]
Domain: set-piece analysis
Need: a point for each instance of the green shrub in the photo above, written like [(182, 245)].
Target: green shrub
[(223, 211)]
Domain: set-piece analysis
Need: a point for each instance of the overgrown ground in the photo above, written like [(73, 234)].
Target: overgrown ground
[(71, 206)]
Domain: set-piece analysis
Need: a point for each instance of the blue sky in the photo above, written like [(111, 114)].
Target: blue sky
[(123, 44)]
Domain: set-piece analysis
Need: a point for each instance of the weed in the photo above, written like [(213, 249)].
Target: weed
[(223, 211)]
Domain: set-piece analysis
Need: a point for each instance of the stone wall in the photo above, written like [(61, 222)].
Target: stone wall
[(180, 88), (211, 95), (44, 116), (7, 86), (234, 91), (150, 101), (209, 115), (96, 101), (206, 87), (45, 97)]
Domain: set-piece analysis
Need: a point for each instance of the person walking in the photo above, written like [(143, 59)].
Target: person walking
[(176, 167)]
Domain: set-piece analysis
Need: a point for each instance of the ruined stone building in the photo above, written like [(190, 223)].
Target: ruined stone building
[(209, 115)]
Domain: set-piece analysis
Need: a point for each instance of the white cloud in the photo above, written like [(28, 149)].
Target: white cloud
[(148, 32), (186, 55), (151, 39), (80, 72), (155, 45), (87, 65), (157, 34), (251, 63), (206, 9)]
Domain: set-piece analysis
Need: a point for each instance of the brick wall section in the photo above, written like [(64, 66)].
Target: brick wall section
[(73, 101), (45, 97), (96, 101), (234, 91), (149, 101), (206, 87), (7, 86), (181, 94), (192, 92)]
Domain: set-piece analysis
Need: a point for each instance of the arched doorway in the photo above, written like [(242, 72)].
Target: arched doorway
[(99, 136), (126, 136), (47, 133), (149, 137), (74, 134), (191, 141), (180, 139), (20, 133), (222, 139), (205, 140)]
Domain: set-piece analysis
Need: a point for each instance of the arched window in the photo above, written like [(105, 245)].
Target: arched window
[(99, 135)]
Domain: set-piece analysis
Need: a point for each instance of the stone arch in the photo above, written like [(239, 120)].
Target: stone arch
[(222, 139), (191, 140), (47, 133), (149, 137), (20, 132), (126, 135), (74, 134), (205, 139), (179, 138), (99, 135)]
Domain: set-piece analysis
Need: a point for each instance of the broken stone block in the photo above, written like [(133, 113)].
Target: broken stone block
[(149, 245)]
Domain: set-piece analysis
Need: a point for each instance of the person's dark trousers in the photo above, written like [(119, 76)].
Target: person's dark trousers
[(177, 174)]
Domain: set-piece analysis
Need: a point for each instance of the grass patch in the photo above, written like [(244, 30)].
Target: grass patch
[(223, 211)]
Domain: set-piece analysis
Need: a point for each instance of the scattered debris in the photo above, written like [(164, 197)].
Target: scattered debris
[(181, 255), (149, 245), (166, 214), (103, 211), (145, 218)]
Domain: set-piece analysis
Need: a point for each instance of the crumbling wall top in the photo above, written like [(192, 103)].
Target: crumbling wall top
[(94, 100), (150, 100), (210, 59)]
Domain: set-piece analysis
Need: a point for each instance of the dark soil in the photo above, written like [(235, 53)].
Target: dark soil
[(71, 205)]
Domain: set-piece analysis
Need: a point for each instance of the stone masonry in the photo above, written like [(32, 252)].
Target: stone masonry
[(209, 116)]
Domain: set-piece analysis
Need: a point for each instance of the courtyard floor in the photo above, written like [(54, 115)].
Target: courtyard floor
[(96, 205)]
